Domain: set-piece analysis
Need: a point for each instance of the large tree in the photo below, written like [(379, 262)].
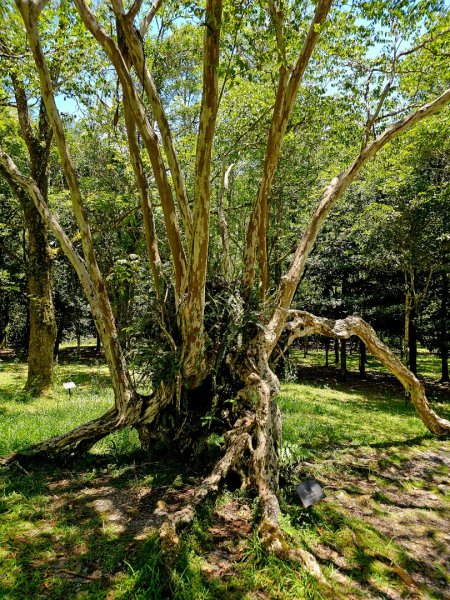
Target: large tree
[(220, 351)]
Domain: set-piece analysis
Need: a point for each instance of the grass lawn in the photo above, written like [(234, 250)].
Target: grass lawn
[(86, 528)]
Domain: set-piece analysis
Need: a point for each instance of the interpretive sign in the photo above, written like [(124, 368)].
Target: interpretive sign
[(310, 492), (69, 385)]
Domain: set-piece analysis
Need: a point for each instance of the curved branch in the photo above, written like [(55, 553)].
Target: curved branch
[(330, 196), (302, 324), (136, 53)]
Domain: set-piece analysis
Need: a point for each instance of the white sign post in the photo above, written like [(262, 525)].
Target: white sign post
[(69, 385)]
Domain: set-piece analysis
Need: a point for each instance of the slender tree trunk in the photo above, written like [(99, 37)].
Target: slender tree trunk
[(4, 325), (336, 352), (343, 353), (327, 350), (443, 327), (59, 336), (412, 341), (362, 359)]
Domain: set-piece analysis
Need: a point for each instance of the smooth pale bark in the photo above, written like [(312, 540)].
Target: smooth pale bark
[(136, 54), (331, 195), (288, 85), (222, 222), (146, 204), (301, 323), (194, 363), (150, 140)]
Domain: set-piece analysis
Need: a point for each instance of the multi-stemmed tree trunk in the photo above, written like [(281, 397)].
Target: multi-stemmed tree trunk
[(252, 426)]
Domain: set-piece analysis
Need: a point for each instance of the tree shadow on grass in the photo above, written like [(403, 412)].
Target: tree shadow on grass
[(85, 530)]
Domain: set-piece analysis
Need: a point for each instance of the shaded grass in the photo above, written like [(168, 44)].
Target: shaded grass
[(428, 365), (81, 529)]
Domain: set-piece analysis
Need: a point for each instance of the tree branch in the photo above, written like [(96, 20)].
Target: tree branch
[(144, 194), (135, 49), (330, 196), (301, 324), (145, 23), (288, 85)]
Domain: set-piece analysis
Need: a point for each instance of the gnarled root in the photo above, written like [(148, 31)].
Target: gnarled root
[(139, 409), (238, 441), (301, 323), (78, 440), (274, 541), (252, 451)]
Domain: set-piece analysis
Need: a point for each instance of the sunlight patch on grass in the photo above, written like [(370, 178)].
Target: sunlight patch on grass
[(316, 415)]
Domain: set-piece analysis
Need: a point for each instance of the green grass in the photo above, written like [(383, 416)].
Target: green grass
[(26, 420), (335, 414), (81, 529)]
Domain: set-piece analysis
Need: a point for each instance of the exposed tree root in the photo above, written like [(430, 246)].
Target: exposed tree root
[(301, 323), (142, 410), (238, 441), (252, 449), (78, 440)]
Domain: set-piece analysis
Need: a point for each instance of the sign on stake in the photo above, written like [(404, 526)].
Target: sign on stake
[(69, 385)]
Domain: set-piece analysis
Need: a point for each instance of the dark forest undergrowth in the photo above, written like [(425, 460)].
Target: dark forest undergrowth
[(87, 528)]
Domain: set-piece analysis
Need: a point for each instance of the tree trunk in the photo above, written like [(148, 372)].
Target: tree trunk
[(412, 341), (362, 359), (327, 350), (443, 328), (336, 352), (42, 314), (343, 353), (42, 333)]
